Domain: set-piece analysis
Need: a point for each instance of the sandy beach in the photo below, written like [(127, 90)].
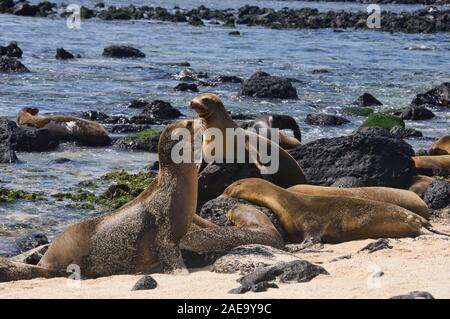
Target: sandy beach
[(421, 264)]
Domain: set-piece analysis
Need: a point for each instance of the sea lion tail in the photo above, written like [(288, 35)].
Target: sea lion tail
[(435, 231)]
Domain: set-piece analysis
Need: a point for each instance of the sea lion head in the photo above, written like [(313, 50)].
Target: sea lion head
[(207, 104), (244, 186), (25, 114), (179, 134)]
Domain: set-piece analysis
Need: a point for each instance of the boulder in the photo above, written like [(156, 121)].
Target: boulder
[(146, 141), (438, 96), (437, 195), (7, 154), (325, 119), (187, 87), (367, 99), (215, 177), (227, 79), (11, 65), (31, 241), (262, 84), (63, 54), (383, 120), (121, 51), (401, 132), (145, 283), (416, 113), (26, 139), (25, 9), (161, 110), (12, 50), (374, 160)]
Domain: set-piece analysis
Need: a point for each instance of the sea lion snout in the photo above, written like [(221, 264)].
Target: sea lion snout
[(25, 113), (207, 103)]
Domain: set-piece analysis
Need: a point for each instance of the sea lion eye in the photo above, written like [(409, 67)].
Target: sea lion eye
[(205, 100)]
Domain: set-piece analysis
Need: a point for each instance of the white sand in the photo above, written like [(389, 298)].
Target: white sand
[(413, 264)]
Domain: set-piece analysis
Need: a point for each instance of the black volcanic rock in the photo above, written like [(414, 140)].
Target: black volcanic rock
[(367, 99), (262, 84), (375, 160), (12, 65), (325, 119), (121, 51)]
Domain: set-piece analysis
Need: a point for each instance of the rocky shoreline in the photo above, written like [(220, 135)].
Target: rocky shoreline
[(428, 20), (427, 2)]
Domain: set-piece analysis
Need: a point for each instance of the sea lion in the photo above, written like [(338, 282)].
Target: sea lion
[(441, 146), (250, 226), (249, 217), (420, 184), (280, 122), (399, 197), (432, 164), (141, 236), (211, 110), (66, 128), (329, 219)]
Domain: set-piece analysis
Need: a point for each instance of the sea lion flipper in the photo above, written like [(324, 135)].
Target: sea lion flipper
[(12, 271), (170, 258)]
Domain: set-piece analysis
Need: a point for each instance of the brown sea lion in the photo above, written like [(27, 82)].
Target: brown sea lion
[(280, 122), (420, 184), (214, 116), (141, 236), (441, 146), (329, 219), (66, 128), (250, 226), (249, 217), (399, 197), (432, 165)]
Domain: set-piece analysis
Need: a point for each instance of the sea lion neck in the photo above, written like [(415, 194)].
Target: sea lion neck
[(219, 119)]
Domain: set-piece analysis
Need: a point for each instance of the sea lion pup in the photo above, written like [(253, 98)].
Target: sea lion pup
[(399, 197), (249, 217), (213, 114), (420, 184), (432, 164), (280, 122), (441, 146), (329, 219), (66, 128), (141, 236), (251, 226)]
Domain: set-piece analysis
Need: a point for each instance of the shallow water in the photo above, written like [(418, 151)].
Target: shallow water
[(393, 67)]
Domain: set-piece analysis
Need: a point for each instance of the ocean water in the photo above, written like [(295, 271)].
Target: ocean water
[(393, 67)]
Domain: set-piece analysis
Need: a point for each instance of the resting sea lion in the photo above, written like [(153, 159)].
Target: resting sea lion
[(420, 184), (399, 197), (329, 219), (250, 227), (249, 217), (280, 122), (66, 128), (441, 146), (212, 111), (432, 165), (141, 236)]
